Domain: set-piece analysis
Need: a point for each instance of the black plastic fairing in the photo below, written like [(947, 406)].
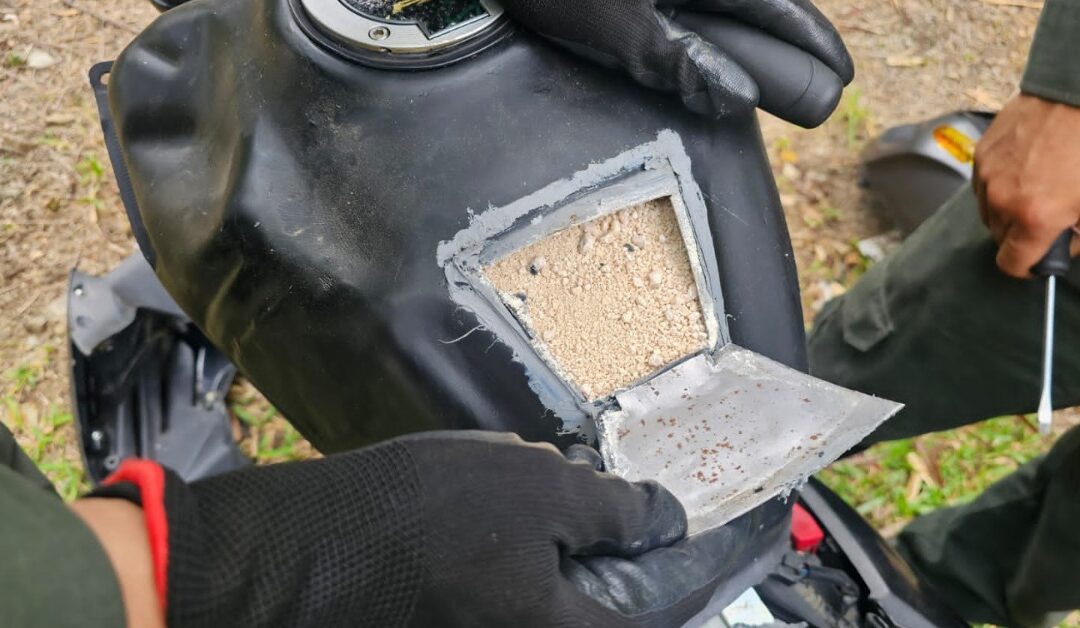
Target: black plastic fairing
[(145, 382), (890, 583)]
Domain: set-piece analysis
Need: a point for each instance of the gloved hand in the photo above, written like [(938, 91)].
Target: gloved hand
[(165, 5), (636, 36), (437, 529)]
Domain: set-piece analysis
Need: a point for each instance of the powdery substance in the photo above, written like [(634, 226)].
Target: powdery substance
[(611, 300)]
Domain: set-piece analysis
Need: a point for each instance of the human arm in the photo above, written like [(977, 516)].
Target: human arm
[(1026, 164), (1053, 70), (447, 529), (118, 527), (53, 571)]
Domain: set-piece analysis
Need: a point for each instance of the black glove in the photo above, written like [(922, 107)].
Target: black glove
[(165, 5), (635, 36), (438, 529)]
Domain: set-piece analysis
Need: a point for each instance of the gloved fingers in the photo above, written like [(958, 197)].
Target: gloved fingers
[(585, 455), (706, 78), (663, 587), (667, 585), (608, 516), (583, 511), (798, 22)]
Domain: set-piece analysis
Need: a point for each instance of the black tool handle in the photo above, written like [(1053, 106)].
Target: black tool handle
[(1058, 258)]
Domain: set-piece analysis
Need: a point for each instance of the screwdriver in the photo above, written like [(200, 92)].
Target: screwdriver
[(1055, 264)]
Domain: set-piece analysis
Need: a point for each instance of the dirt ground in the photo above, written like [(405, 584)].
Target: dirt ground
[(914, 60), (59, 207)]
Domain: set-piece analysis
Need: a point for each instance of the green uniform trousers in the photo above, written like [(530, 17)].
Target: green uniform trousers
[(53, 572), (937, 327)]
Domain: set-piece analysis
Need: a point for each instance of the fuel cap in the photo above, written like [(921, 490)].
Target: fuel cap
[(402, 26)]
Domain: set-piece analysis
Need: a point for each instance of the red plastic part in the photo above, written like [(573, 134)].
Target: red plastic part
[(806, 534), (149, 477)]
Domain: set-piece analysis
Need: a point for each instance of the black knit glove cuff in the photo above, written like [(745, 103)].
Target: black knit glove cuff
[(333, 542)]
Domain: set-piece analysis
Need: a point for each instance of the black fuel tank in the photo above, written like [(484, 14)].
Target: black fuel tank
[(292, 198)]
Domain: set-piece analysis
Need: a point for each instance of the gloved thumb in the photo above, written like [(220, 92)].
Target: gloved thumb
[(668, 585), (585, 455)]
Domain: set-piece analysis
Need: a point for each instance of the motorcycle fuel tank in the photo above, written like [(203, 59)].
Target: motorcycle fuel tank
[(321, 205), (408, 215)]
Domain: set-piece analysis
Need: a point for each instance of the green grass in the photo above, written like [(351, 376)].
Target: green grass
[(24, 377), (265, 436), (54, 142), (47, 434), (855, 114), (892, 482), (91, 173), (14, 60)]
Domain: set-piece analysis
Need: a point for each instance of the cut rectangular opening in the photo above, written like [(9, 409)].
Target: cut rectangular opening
[(610, 300)]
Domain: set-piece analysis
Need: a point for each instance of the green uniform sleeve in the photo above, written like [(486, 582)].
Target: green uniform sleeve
[(14, 458), (1053, 70), (54, 573)]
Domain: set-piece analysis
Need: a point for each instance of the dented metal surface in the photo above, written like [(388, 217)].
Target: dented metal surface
[(727, 432)]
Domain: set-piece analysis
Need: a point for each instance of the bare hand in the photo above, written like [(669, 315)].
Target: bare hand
[(1027, 179)]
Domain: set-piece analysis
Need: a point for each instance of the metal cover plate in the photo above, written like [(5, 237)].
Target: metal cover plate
[(727, 432)]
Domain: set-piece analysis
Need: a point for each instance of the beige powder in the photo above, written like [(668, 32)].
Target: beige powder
[(611, 300)]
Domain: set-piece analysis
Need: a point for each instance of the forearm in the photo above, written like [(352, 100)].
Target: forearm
[(1053, 70), (118, 526)]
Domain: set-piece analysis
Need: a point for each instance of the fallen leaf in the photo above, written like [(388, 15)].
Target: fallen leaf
[(899, 61), (789, 156), (914, 486), (983, 98), (1023, 4), (931, 455), (788, 200), (59, 119), (921, 468)]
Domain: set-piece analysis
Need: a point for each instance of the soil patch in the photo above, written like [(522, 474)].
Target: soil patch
[(611, 300)]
